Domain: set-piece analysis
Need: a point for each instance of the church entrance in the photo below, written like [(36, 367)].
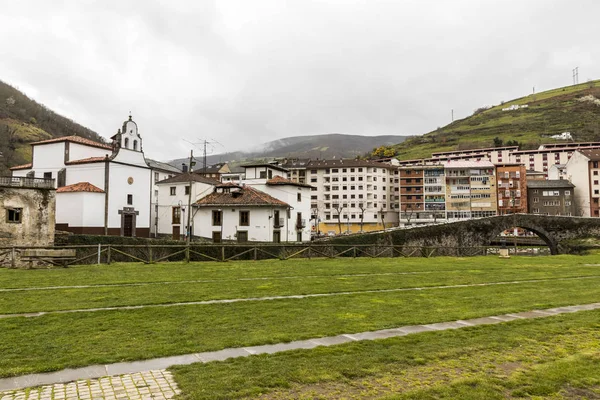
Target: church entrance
[(128, 221)]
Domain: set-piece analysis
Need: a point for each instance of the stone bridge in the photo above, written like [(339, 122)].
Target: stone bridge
[(480, 232)]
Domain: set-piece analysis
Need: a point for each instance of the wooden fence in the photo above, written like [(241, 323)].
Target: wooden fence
[(150, 254)]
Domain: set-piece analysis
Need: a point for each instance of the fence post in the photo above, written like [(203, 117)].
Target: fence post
[(309, 248), (108, 255), (13, 260), (222, 253), (149, 254), (354, 252), (99, 253), (255, 253), (187, 253)]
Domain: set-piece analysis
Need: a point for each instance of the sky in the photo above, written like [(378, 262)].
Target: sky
[(241, 73)]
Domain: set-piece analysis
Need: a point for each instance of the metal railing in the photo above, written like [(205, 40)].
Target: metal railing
[(25, 182)]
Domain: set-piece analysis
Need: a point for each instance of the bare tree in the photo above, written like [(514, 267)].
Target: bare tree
[(338, 209), (361, 207), (408, 213)]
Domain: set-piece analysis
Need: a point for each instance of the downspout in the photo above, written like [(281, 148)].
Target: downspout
[(106, 182), (151, 207)]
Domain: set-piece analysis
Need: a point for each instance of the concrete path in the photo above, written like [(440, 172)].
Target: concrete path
[(97, 371), (295, 296)]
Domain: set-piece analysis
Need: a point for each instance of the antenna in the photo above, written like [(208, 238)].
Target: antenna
[(205, 143)]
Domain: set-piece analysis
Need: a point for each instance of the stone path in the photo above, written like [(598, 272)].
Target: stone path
[(156, 384), (296, 296), (81, 376)]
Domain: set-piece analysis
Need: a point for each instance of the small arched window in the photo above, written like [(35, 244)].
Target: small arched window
[(135, 145), (126, 143)]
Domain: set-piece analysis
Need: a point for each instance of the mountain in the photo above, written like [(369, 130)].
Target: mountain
[(574, 109), (334, 145), (23, 121)]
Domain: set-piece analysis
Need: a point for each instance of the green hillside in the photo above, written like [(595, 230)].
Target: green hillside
[(23, 121), (552, 112)]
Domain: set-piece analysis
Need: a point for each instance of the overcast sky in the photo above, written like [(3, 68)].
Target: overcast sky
[(247, 72)]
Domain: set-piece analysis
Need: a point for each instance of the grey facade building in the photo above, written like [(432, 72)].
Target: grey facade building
[(551, 197)]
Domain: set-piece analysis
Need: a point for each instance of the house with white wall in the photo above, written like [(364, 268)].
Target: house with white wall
[(238, 212), (104, 189), (172, 202)]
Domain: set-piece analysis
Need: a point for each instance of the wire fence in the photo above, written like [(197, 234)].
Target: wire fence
[(150, 254)]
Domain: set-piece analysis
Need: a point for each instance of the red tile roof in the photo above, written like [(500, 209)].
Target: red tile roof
[(280, 180), (86, 160), (76, 139), (24, 166), (80, 187), (246, 196)]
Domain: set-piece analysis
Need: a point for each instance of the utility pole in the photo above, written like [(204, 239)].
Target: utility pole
[(189, 214), (575, 75), (452, 112)]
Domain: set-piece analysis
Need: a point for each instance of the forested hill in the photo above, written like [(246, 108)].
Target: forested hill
[(23, 120)]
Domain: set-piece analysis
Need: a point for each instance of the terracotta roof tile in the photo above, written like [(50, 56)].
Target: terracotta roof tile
[(86, 160), (79, 187), (246, 196), (280, 180), (24, 166), (75, 139)]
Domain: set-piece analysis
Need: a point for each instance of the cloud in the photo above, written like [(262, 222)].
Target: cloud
[(245, 73)]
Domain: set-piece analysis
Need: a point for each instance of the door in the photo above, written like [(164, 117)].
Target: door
[(127, 225), (242, 236), (216, 236), (276, 237), (176, 232)]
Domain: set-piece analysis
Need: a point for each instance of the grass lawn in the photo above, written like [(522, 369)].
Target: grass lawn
[(56, 341), (557, 357)]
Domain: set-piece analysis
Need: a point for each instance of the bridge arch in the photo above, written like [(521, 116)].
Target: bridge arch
[(538, 230)]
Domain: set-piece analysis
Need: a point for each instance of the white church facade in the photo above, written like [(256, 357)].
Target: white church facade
[(101, 189)]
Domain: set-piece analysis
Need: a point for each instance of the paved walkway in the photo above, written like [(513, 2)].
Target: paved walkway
[(295, 296), (157, 365), (158, 384)]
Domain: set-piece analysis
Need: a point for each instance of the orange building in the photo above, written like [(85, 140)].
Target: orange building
[(511, 179)]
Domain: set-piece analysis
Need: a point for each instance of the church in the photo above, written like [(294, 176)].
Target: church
[(101, 189)]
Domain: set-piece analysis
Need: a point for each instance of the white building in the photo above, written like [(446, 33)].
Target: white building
[(237, 212), (103, 189), (583, 170), (353, 195), (160, 172), (172, 202)]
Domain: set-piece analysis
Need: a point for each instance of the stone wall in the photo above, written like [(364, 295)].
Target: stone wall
[(37, 220)]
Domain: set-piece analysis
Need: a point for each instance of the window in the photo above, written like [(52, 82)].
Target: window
[(176, 216), (61, 178), (217, 217), (187, 190), (126, 143), (567, 192), (299, 196), (135, 145), (129, 199), (245, 219), (156, 177), (47, 175), (263, 175), (14, 215), (173, 190)]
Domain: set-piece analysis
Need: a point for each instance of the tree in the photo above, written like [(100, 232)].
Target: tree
[(361, 207), (497, 142), (338, 209)]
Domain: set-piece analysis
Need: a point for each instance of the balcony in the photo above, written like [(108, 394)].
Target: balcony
[(278, 222), (24, 182), (300, 223)]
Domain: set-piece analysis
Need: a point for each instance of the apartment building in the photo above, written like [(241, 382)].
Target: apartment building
[(496, 155), (551, 197), (352, 195), (512, 188), (583, 170), (470, 189), (547, 155), (422, 194)]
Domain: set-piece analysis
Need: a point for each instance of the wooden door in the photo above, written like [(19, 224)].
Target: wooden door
[(127, 225), (176, 232)]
